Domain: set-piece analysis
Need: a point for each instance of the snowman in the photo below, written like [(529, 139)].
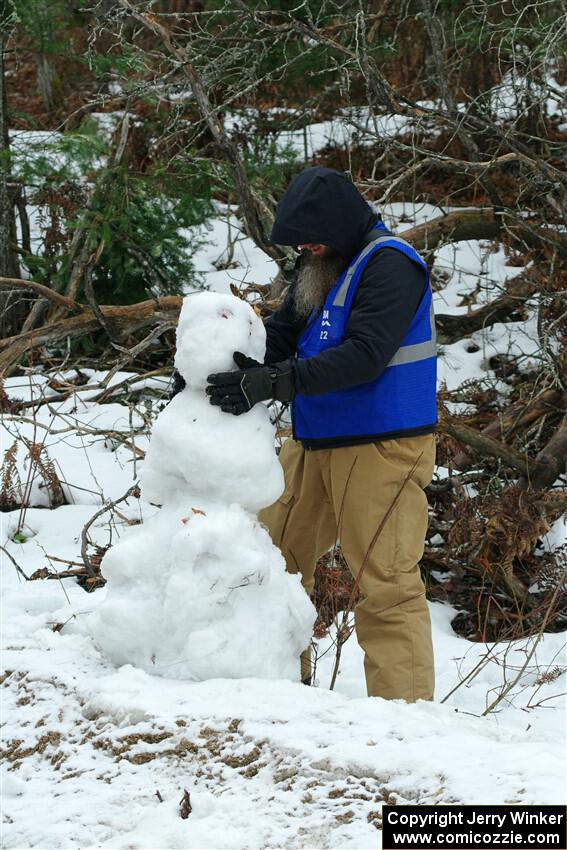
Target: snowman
[(199, 591)]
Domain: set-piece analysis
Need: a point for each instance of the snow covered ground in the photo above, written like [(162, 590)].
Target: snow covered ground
[(266, 763), (99, 756)]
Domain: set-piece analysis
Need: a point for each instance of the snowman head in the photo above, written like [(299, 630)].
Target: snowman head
[(211, 328)]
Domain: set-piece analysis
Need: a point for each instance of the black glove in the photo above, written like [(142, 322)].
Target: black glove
[(238, 392), (244, 362), (177, 384)]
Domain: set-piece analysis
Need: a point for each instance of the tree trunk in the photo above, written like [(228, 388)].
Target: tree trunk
[(12, 309), (48, 83)]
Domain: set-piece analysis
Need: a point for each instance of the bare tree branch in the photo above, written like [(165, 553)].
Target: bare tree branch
[(43, 291), (255, 212)]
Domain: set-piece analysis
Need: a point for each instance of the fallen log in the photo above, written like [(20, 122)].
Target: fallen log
[(122, 319), (502, 309), (539, 474), (457, 226), (483, 223), (550, 463), (485, 445), (515, 417)]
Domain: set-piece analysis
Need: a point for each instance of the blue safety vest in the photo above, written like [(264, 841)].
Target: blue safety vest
[(402, 399)]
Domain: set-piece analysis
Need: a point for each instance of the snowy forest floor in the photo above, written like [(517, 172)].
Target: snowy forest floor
[(100, 757), (266, 763)]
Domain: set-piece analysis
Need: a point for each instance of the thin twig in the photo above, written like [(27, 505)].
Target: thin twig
[(130, 355), (84, 533), (507, 688), (18, 568)]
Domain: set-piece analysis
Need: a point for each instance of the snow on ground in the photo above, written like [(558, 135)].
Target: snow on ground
[(227, 245), (266, 763), (90, 445), (357, 125), (88, 746)]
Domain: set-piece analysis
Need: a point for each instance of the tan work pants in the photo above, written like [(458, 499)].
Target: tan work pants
[(392, 620)]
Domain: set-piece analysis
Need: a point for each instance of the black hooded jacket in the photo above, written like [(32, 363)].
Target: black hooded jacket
[(323, 206)]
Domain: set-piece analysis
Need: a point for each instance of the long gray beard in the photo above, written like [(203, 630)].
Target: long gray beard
[(317, 275)]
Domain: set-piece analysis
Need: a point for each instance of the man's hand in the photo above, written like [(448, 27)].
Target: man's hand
[(244, 362), (177, 384), (238, 392)]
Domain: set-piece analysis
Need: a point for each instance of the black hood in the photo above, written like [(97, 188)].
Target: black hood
[(324, 206)]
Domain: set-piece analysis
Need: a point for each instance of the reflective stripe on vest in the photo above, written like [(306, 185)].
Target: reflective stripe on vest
[(340, 297), (407, 353)]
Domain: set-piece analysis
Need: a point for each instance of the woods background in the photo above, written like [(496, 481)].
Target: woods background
[(126, 125)]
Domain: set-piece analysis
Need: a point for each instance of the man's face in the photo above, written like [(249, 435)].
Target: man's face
[(316, 249)]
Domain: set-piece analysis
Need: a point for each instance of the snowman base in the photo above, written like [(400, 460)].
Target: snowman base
[(243, 616)]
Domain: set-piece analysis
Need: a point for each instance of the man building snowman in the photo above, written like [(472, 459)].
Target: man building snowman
[(353, 349)]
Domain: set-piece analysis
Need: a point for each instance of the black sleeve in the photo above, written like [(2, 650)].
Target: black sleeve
[(282, 331), (389, 293)]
